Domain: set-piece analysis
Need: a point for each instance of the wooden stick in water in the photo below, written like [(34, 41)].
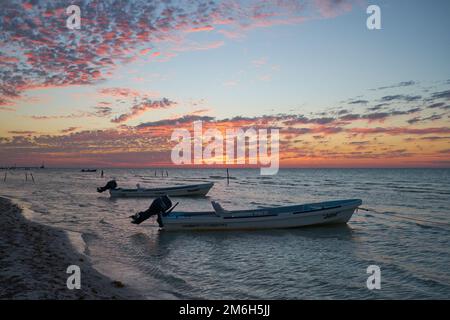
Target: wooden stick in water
[(228, 177), (32, 177), (4, 180)]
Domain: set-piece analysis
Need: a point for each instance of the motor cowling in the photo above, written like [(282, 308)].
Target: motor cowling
[(158, 207), (110, 185)]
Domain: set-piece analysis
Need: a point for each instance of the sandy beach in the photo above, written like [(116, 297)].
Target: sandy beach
[(34, 259)]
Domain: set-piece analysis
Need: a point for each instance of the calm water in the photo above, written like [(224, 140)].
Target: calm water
[(320, 262)]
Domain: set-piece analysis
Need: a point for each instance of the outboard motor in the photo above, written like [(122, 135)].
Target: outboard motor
[(110, 185), (158, 207)]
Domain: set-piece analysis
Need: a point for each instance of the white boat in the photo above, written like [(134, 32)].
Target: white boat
[(174, 191), (330, 212)]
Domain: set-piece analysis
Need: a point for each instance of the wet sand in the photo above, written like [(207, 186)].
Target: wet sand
[(34, 259)]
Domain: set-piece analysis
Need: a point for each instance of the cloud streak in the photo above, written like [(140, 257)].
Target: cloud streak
[(142, 107)]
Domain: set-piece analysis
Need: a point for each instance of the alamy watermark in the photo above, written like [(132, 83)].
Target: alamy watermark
[(374, 280), (213, 148), (373, 22), (74, 20), (74, 280)]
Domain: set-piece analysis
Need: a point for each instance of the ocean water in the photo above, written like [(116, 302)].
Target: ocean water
[(307, 263)]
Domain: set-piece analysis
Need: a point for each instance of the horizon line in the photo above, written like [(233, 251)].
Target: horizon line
[(213, 167)]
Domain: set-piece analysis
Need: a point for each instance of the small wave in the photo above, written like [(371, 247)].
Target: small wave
[(423, 226), (258, 203)]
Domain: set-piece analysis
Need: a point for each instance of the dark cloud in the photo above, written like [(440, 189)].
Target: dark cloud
[(350, 117), (297, 131), (142, 107), (22, 132), (103, 111), (74, 115), (376, 116), (70, 129), (324, 120), (398, 85), (343, 111), (401, 97), (414, 110), (359, 102), (400, 130), (358, 143), (436, 105), (404, 112), (174, 122), (434, 138), (441, 95), (301, 119), (374, 108), (434, 117), (414, 120)]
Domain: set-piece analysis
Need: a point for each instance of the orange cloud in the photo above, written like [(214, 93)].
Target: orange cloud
[(200, 29)]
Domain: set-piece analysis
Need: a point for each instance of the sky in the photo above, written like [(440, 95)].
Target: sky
[(111, 93)]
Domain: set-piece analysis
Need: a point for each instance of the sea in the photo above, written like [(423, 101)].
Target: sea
[(406, 235)]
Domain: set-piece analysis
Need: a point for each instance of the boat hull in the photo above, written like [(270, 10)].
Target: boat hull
[(177, 191), (339, 212)]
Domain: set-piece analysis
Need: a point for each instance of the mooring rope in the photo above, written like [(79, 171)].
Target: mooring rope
[(405, 217)]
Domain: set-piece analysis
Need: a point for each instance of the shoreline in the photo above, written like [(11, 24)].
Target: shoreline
[(34, 259)]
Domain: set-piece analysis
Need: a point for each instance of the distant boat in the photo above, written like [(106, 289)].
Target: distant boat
[(88, 170), (321, 213), (200, 189)]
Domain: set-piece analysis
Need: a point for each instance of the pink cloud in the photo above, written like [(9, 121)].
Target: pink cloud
[(119, 92), (115, 34), (333, 8), (200, 29), (27, 6), (145, 51)]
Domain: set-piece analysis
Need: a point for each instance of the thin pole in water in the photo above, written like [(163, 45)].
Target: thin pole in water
[(228, 178), (6, 172), (32, 177), (26, 176)]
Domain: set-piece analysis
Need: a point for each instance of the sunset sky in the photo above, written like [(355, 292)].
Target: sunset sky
[(111, 93)]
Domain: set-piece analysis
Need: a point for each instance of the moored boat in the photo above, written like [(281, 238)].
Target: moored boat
[(200, 189), (329, 212)]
